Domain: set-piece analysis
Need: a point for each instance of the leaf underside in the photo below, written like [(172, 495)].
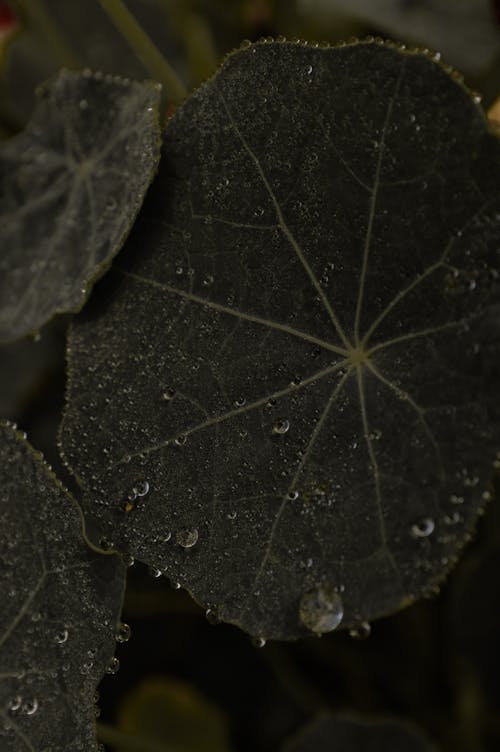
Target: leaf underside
[(332, 733), (60, 607), (297, 357), (70, 187)]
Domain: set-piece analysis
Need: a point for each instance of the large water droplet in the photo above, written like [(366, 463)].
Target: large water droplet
[(321, 610), (187, 537), (423, 528)]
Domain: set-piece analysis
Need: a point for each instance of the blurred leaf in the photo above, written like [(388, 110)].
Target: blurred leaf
[(173, 712), (71, 185), (60, 607), (359, 734), (286, 398), (462, 30)]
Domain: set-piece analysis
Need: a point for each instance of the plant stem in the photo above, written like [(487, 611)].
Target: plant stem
[(145, 49), (40, 19), (107, 734)]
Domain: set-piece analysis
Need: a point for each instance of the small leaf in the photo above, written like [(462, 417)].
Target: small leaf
[(60, 607), (70, 187), (353, 733), (300, 349)]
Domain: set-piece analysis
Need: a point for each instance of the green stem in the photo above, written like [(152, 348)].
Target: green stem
[(40, 19), (158, 67), (107, 734)]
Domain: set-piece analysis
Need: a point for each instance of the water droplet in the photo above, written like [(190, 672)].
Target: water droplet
[(292, 495), (239, 402), (258, 642), (456, 499), (232, 515), (281, 426), (83, 104), (123, 633), (128, 560), (168, 394), (423, 528), (436, 57), (30, 706), (321, 610), (61, 636), (179, 270), (180, 440), (15, 703), (211, 616), (113, 666), (187, 537), (142, 488), (361, 632), (271, 403), (155, 572), (175, 585), (208, 280), (309, 70)]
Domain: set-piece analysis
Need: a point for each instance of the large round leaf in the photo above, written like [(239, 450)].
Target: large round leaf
[(286, 399), (70, 187), (60, 608)]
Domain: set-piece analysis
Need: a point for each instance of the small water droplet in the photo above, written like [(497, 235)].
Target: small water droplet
[(208, 280), (211, 616), (154, 572), (15, 703), (180, 440), (292, 495), (423, 528), (123, 633), (128, 560), (187, 537), (321, 610), (239, 402), (142, 488), (113, 666), (456, 499), (30, 706), (232, 515), (281, 426), (361, 632), (175, 585), (168, 394), (61, 636), (258, 642), (309, 70)]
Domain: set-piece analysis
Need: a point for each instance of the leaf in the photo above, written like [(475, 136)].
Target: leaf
[(70, 187), (464, 31), (172, 712), (286, 399), (60, 607), (353, 733)]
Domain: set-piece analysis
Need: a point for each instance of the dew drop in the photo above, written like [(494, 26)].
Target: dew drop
[(292, 495), (309, 70), (361, 632), (321, 610), (258, 642), (211, 616), (187, 537), (168, 394), (128, 560), (180, 440), (281, 426), (155, 572), (113, 666), (239, 402), (142, 488), (15, 703), (30, 706), (232, 515), (208, 280), (423, 528), (123, 633), (61, 636)]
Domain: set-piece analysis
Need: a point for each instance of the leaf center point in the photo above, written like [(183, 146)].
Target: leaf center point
[(357, 356)]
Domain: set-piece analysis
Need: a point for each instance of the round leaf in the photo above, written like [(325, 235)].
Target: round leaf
[(287, 398)]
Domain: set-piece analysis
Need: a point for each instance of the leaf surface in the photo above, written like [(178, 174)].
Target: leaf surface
[(286, 397), (60, 607), (332, 733), (70, 187)]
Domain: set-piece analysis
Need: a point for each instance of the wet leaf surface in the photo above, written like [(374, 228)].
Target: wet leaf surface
[(285, 398), (71, 185), (359, 734), (60, 606)]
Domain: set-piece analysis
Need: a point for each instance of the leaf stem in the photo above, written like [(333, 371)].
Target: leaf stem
[(108, 734), (145, 49), (40, 19)]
